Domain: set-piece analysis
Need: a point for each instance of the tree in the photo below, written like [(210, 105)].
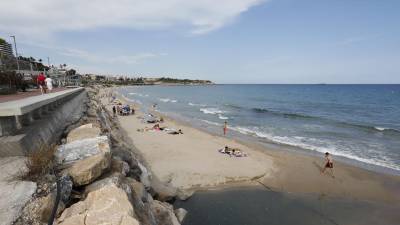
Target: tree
[(70, 72)]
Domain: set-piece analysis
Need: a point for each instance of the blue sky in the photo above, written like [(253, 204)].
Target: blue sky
[(227, 41)]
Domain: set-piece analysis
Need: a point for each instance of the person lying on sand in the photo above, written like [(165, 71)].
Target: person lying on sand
[(174, 132), (155, 127), (238, 153), (232, 152)]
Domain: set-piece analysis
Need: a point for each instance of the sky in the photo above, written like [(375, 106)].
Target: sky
[(226, 41)]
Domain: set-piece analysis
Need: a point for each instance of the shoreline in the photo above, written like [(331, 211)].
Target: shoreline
[(295, 172), (273, 146)]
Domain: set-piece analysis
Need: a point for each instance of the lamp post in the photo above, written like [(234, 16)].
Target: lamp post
[(16, 52)]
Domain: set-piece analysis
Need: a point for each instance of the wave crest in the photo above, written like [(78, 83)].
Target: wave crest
[(212, 111)]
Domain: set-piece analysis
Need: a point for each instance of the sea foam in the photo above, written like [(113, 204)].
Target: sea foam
[(211, 111)]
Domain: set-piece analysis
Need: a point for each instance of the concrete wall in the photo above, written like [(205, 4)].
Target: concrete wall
[(46, 128)]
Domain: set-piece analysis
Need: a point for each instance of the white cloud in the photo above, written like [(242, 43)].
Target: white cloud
[(45, 17), (96, 57), (357, 39)]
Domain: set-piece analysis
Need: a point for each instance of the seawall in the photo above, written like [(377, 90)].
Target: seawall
[(30, 123)]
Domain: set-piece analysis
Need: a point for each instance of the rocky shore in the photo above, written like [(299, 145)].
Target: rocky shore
[(98, 177)]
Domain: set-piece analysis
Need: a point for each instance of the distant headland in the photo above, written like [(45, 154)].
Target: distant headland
[(89, 79)]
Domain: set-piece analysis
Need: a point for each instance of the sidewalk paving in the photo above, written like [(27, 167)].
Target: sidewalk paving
[(30, 93)]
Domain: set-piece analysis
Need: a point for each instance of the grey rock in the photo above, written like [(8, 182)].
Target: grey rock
[(83, 132), (66, 188), (180, 214), (114, 179), (119, 166), (138, 189), (80, 149), (87, 170), (162, 191), (107, 205), (126, 155), (145, 176), (38, 210), (183, 195), (14, 194), (163, 213)]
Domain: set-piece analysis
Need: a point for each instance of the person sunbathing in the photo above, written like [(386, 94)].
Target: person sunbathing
[(156, 127), (226, 150), (176, 132), (232, 152)]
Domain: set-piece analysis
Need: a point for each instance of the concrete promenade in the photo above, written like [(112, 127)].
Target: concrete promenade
[(18, 113), (27, 94), (27, 123)]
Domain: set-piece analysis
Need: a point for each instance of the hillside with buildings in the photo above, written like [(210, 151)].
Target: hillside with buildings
[(89, 79), (18, 73)]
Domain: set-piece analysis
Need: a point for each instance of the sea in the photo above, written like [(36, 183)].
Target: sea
[(358, 124), (257, 206)]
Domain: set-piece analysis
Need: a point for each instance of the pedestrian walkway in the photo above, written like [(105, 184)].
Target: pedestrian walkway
[(30, 93)]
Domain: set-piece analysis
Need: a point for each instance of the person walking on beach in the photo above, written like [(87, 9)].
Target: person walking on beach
[(225, 127), (49, 83), (41, 83), (328, 164)]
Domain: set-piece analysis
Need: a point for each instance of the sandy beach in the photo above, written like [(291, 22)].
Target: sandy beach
[(191, 161)]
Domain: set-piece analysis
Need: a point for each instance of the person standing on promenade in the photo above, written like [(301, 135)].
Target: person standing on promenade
[(225, 128), (328, 164), (41, 83), (49, 83)]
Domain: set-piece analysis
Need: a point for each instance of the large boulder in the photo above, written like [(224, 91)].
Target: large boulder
[(115, 179), (39, 209), (162, 191), (83, 132), (141, 202), (164, 213), (138, 188), (184, 194), (85, 160), (180, 214), (71, 152), (14, 194), (125, 154), (119, 166), (89, 169), (108, 205)]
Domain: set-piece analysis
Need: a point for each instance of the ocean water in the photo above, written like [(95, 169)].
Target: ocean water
[(255, 206), (356, 123)]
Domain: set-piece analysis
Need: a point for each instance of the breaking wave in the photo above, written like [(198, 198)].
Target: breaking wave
[(211, 111)]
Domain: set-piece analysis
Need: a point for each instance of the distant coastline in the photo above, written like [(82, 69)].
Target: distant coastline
[(90, 80)]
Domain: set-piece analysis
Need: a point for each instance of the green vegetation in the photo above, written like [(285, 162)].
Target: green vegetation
[(2, 41), (182, 81)]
